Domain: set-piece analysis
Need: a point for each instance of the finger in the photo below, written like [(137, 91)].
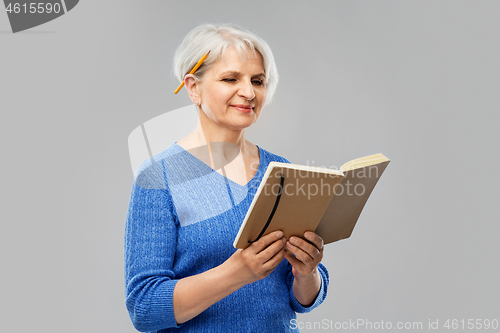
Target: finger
[(269, 252), (265, 241), (293, 260), (298, 266), (300, 254), (310, 249), (315, 239), (275, 260)]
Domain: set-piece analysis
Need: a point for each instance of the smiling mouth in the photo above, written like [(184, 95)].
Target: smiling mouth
[(242, 108)]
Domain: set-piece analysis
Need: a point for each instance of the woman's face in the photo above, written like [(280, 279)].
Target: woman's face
[(232, 91)]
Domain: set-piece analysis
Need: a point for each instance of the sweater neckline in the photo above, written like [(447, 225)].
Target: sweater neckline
[(259, 169)]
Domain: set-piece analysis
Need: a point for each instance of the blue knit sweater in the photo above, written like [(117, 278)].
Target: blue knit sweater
[(182, 219)]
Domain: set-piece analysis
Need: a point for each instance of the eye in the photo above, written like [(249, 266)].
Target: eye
[(258, 82), (228, 80)]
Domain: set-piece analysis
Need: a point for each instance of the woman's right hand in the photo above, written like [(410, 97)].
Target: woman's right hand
[(259, 259), (194, 294)]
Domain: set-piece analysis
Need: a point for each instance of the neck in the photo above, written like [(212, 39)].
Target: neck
[(207, 131)]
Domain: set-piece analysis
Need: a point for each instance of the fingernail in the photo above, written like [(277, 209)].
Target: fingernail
[(279, 234), (293, 240)]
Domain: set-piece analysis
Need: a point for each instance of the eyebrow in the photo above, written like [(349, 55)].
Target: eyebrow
[(238, 73)]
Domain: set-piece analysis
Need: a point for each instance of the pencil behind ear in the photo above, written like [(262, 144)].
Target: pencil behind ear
[(195, 68)]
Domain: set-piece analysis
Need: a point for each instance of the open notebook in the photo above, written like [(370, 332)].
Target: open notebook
[(296, 198)]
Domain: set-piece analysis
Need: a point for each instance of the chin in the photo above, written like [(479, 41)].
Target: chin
[(242, 122), (240, 125)]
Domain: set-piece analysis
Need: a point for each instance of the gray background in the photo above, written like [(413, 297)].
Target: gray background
[(415, 80)]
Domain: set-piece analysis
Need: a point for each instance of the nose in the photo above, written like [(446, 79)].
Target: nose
[(246, 90)]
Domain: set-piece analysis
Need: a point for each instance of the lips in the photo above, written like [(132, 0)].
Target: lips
[(243, 108)]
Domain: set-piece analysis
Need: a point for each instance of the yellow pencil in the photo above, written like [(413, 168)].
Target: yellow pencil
[(193, 70)]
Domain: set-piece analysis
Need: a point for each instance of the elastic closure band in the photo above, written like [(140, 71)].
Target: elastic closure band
[(274, 210)]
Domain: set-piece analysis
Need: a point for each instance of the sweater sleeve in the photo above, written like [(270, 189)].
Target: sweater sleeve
[(150, 243), (296, 306)]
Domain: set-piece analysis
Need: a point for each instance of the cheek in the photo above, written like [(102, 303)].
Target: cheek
[(219, 95), (263, 96)]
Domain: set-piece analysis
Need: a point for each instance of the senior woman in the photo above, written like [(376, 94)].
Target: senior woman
[(182, 272)]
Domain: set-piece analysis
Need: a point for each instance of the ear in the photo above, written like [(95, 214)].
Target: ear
[(193, 88)]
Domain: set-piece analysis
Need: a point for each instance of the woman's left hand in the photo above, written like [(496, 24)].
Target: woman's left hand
[(304, 254)]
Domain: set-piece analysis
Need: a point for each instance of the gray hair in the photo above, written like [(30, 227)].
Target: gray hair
[(218, 39)]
